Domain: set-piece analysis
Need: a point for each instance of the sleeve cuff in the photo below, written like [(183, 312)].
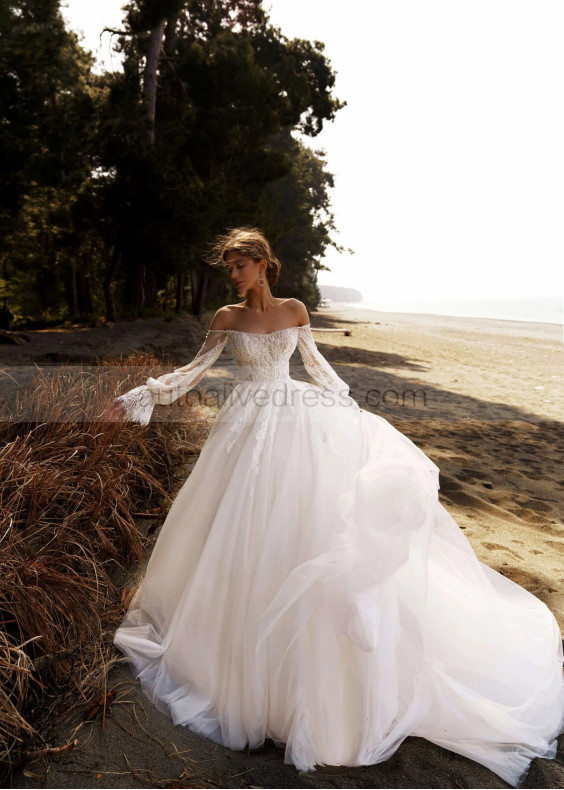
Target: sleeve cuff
[(138, 404)]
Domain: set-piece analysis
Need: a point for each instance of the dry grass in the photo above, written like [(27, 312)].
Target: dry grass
[(72, 487)]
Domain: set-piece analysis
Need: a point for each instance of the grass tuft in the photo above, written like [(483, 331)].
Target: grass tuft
[(71, 537)]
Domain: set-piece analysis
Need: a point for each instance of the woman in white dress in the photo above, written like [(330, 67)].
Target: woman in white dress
[(307, 585)]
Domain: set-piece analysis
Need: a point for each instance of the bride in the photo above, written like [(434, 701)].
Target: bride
[(307, 586)]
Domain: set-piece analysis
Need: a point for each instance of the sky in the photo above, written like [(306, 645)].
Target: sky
[(448, 158)]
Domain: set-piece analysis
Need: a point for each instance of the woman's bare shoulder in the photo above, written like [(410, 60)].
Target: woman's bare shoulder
[(299, 311), (223, 317)]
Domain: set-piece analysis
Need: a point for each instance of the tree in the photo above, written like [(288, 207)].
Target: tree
[(113, 186), (298, 218), (47, 107), (228, 83)]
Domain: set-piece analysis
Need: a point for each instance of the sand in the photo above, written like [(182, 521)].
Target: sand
[(488, 410)]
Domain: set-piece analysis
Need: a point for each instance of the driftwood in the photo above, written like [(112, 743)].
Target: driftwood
[(100, 705), (13, 338), (53, 751), (44, 661), (347, 332)]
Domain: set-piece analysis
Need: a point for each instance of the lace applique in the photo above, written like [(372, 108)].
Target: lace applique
[(259, 357), (236, 430), (264, 356), (139, 402), (268, 418), (263, 419)]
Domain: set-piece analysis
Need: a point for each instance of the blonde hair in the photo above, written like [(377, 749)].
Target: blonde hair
[(249, 242)]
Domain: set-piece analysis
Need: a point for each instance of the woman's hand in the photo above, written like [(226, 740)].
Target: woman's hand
[(115, 412)]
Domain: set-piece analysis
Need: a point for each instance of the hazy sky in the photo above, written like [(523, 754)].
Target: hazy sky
[(448, 159)]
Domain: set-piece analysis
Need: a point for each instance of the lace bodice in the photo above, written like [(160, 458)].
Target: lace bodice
[(258, 356)]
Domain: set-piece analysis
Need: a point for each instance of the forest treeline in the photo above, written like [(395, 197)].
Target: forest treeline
[(113, 185)]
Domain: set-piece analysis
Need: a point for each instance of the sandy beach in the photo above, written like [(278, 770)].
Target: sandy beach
[(484, 400), (488, 410)]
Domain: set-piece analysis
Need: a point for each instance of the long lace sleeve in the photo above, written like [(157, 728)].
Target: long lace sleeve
[(316, 364), (139, 402)]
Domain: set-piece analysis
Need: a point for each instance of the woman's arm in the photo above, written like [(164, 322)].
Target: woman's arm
[(137, 404), (316, 364)]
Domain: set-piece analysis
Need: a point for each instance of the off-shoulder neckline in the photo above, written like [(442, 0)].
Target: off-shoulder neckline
[(246, 332)]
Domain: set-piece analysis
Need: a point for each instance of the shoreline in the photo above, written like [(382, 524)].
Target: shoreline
[(548, 329)]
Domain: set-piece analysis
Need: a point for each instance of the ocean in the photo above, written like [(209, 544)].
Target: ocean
[(544, 310)]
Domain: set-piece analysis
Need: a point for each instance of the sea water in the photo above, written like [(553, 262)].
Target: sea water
[(547, 310)]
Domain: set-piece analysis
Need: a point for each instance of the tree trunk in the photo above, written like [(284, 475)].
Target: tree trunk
[(150, 80), (180, 279), (199, 288), (149, 286), (73, 296), (84, 293), (140, 286), (108, 279), (134, 295)]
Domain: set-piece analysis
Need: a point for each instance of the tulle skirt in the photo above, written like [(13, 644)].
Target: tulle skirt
[(307, 586)]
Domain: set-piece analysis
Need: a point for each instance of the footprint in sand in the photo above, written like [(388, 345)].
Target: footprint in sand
[(499, 547), (555, 545), (449, 484), (529, 581), (526, 514), (537, 504), (533, 503), (477, 504), (460, 460), (478, 475)]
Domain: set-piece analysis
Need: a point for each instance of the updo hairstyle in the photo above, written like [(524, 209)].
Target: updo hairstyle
[(250, 243)]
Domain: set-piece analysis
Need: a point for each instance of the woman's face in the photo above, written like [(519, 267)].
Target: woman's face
[(243, 272)]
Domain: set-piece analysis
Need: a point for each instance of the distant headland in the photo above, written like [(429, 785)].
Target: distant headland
[(338, 294)]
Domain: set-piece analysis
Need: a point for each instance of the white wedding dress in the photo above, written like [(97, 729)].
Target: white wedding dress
[(307, 585)]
